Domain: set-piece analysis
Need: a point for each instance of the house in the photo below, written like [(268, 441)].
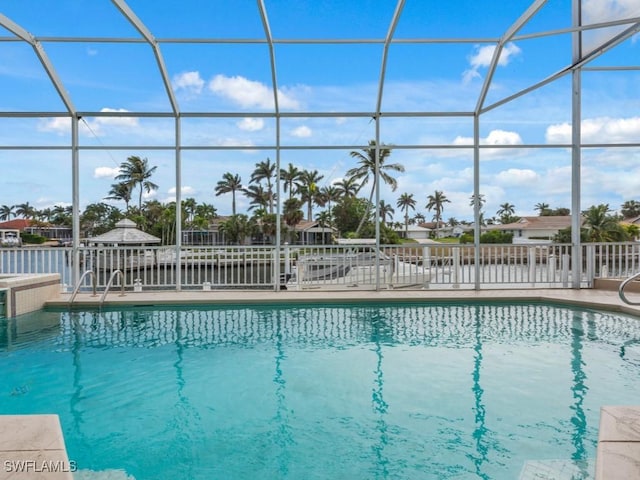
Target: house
[(415, 232), (46, 230), (534, 229)]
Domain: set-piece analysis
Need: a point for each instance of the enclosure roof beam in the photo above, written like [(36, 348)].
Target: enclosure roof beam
[(21, 33), (151, 40)]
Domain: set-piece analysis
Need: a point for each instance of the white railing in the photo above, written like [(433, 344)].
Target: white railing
[(410, 266)]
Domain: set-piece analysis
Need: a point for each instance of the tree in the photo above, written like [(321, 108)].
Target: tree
[(135, 172), (419, 218), (404, 203), (309, 191), (292, 214), (237, 228), (347, 213), (258, 196), (505, 212), (290, 179), (630, 209), (265, 171), (436, 202), (386, 210), (600, 226), (120, 191), (229, 183), (25, 210), (367, 170), (98, 218), (348, 187), (330, 195), (6, 211), (542, 208)]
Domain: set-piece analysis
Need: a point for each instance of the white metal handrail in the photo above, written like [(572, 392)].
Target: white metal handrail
[(623, 297), (79, 284), (114, 274)]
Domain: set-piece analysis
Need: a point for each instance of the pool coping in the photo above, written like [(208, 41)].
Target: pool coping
[(589, 298)]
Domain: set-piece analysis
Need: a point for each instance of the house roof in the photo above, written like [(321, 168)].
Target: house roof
[(125, 233), (536, 223), (16, 224)]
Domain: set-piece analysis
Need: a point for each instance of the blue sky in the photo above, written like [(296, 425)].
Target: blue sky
[(446, 76)]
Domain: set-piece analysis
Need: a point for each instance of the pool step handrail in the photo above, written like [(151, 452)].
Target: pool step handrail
[(623, 297), (114, 274), (79, 284)]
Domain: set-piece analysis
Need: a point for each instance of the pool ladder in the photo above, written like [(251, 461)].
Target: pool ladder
[(622, 287), (92, 274)]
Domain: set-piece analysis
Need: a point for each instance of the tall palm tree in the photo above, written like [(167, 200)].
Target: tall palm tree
[(120, 191), (290, 179), (6, 211), (330, 194), (136, 173), (348, 186), (292, 214), (265, 171), (229, 183), (436, 202), (367, 170), (309, 190), (419, 218), (404, 203)]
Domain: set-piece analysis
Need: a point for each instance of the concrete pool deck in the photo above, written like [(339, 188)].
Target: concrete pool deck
[(618, 453)]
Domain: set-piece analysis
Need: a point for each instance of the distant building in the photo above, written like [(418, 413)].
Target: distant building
[(534, 229)]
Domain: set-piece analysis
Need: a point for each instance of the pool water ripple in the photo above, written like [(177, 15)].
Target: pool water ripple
[(324, 391)]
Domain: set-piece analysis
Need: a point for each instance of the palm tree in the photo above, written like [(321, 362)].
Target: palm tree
[(292, 214), (257, 195), (602, 227), (630, 209), (436, 202), (120, 191), (229, 183), (419, 218), (136, 173), (25, 210), (367, 169), (505, 212), (189, 205), (404, 203), (6, 211), (290, 179), (542, 208), (309, 190), (330, 194), (386, 210), (265, 171), (237, 228), (481, 201), (348, 187)]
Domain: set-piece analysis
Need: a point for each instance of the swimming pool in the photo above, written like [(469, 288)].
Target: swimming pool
[(433, 391)]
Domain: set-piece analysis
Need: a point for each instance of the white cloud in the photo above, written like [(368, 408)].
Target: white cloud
[(495, 137), (92, 52), (514, 177), (106, 172), (251, 124), (597, 130), (302, 132), (482, 56), (191, 82), (116, 121), (249, 93), (186, 190)]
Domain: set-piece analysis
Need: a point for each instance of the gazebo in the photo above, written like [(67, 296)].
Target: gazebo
[(125, 233)]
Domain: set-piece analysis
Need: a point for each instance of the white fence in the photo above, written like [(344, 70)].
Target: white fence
[(331, 267)]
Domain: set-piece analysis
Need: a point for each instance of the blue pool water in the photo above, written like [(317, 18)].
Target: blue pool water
[(408, 391)]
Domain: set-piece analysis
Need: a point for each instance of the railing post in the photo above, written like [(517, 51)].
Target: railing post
[(565, 262), (456, 268), (590, 260), (532, 265)]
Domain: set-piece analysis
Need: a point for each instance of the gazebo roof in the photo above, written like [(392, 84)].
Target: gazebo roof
[(125, 233)]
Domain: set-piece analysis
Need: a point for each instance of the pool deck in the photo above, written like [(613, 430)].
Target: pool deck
[(618, 453), (593, 298)]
